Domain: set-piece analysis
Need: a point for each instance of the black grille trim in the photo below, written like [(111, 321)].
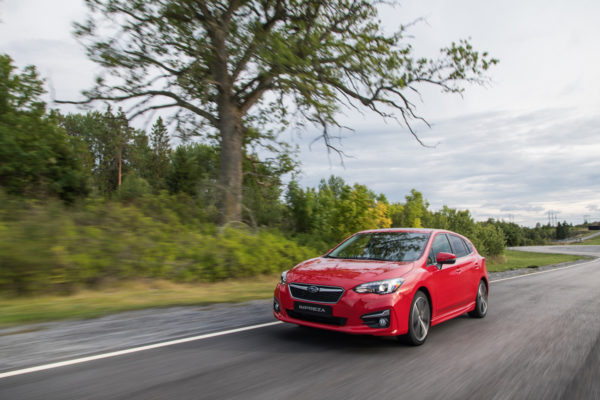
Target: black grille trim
[(326, 294), (338, 321)]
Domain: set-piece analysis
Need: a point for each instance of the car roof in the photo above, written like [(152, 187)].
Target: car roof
[(417, 230)]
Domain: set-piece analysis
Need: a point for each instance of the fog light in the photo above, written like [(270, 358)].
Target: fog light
[(275, 305), (379, 319)]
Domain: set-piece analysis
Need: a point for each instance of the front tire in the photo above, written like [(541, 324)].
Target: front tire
[(419, 320), (481, 303)]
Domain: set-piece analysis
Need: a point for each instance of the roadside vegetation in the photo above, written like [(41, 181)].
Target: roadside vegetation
[(513, 259), (49, 247), (117, 296), (131, 295), (593, 241)]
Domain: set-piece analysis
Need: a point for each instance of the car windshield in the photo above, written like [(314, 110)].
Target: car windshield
[(382, 246)]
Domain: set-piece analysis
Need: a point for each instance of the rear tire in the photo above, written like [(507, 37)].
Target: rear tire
[(481, 302), (419, 320)]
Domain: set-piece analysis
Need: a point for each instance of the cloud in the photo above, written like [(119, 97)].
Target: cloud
[(490, 163), (522, 208)]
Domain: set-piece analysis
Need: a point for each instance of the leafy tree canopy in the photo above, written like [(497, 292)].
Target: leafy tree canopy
[(232, 65), (36, 156), (111, 142)]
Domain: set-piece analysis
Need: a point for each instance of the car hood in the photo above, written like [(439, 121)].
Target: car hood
[(346, 273)]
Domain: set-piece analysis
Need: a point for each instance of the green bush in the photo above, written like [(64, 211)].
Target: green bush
[(133, 187), (51, 248), (489, 240)]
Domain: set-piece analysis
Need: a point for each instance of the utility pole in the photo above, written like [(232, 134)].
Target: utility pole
[(552, 218)]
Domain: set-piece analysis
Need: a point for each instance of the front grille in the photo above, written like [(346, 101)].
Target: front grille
[(318, 293), (320, 320)]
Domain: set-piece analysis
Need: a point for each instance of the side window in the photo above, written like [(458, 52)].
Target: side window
[(469, 246), (431, 258), (440, 245), (458, 246)]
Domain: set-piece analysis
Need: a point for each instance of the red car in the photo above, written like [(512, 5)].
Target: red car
[(386, 282)]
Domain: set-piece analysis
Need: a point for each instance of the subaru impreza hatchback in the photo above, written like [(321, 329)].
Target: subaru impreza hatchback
[(386, 282)]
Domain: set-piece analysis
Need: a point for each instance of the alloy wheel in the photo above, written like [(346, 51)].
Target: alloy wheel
[(421, 318), (482, 298)]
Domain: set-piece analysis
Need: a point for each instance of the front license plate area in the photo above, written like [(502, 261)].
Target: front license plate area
[(312, 309)]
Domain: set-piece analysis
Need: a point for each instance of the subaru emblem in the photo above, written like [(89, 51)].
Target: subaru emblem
[(313, 289)]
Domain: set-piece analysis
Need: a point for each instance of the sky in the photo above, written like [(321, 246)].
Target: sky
[(522, 147)]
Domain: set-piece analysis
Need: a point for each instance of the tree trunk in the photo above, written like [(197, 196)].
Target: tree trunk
[(230, 171), (120, 166)]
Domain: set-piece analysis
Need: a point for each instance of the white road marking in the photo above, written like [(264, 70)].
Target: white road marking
[(205, 336), (543, 272), (132, 350)]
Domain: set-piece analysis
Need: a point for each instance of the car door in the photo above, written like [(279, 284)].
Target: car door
[(465, 269), (446, 280)]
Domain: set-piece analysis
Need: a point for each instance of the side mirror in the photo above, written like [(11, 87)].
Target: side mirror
[(445, 258)]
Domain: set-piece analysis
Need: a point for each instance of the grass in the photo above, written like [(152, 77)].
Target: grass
[(514, 259), (135, 295), (592, 241), (131, 296)]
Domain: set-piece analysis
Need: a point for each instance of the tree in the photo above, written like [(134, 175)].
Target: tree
[(140, 158), (37, 158), (301, 205), (110, 141), (263, 188), (120, 139), (262, 177), (514, 234), (414, 213), (183, 175), (215, 61), (489, 239), (335, 211), (459, 221), (159, 158), (562, 230), (192, 170)]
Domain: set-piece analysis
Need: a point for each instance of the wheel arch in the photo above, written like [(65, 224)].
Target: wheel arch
[(428, 294), (486, 281)]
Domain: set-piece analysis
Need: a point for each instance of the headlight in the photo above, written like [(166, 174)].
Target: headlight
[(380, 287), (283, 279)]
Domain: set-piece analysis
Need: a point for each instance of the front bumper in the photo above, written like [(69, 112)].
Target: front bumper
[(347, 312)]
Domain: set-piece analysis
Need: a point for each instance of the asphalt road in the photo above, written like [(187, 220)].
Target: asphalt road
[(540, 340)]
